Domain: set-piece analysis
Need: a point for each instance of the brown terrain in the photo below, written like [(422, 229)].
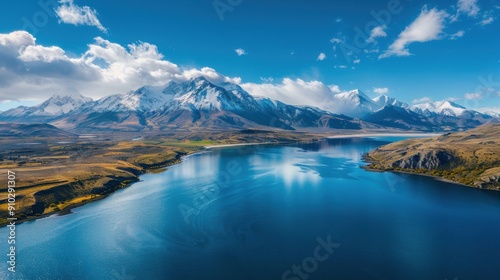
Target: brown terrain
[(471, 158)]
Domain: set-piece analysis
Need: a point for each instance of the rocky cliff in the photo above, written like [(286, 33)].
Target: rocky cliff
[(471, 157)]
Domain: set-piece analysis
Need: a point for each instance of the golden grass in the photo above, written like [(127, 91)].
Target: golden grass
[(476, 152)]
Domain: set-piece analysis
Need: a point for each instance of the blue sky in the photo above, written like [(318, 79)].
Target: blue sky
[(298, 51)]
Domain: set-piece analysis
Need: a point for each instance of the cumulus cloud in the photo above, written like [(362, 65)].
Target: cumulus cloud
[(376, 32), (472, 96), (206, 72), (383, 90), (321, 57), (422, 100), (296, 92), (240, 52), (426, 27), (32, 71), (356, 61), (40, 53), (70, 13)]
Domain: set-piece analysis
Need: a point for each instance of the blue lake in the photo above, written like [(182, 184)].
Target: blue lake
[(270, 212)]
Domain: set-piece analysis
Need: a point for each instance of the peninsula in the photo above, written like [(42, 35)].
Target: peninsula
[(470, 157)]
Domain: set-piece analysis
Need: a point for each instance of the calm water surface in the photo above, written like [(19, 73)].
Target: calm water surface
[(256, 212)]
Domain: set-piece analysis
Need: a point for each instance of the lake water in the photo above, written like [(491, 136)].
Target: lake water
[(303, 212)]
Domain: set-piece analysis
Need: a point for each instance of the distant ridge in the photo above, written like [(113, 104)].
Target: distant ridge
[(201, 104)]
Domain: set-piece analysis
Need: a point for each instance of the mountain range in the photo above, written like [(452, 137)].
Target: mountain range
[(201, 104)]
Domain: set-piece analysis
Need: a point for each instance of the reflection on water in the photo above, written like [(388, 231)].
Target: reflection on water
[(254, 212)]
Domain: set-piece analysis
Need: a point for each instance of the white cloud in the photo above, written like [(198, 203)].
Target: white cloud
[(356, 61), (495, 110), (321, 57), (341, 66), (474, 95), (421, 100), (336, 40), (240, 52), (457, 35), (40, 53), (296, 92), (381, 90), (376, 32), (334, 88), (427, 26), (338, 20), (70, 13), (32, 71), (468, 7), (206, 72), (16, 39), (487, 20)]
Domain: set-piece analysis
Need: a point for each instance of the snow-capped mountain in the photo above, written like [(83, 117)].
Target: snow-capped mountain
[(146, 98), (384, 100), (200, 94), (200, 103), (430, 116), (446, 108), (56, 106), (197, 103), (305, 116), (353, 103)]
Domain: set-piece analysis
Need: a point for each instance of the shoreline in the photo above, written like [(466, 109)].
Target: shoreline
[(241, 145), (366, 135), (164, 167), (155, 169), (369, 160), (437, 178), (67, 210)]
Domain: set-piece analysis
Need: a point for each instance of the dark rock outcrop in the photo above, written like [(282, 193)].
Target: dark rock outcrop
[(428, 160)]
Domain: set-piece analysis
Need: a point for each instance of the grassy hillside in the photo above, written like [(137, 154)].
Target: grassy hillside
[(471, 157)]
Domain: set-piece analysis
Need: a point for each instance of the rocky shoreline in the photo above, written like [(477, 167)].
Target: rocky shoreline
[(470, 158)]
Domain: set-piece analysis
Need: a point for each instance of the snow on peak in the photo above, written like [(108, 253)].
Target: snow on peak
[(353, 96), (353, 103), (146, 98), (444, 107), (60, 104), (383, 100)]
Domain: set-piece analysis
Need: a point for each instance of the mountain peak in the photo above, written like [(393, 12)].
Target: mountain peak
[(60, 104), (444, 107), (69, 96), (200, 80), (381, 98), (355, 93)]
